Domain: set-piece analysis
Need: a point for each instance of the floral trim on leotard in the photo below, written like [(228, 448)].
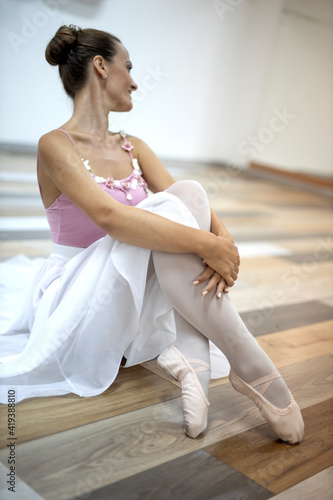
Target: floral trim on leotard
[(132, 182)]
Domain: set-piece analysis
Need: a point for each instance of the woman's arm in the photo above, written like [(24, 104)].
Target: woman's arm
[(217, 227), (209, 275), (61, 163), (158, 179), (154, 172)]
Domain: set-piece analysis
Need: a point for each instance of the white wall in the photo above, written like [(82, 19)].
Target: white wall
[(300, 80), (204, 70)]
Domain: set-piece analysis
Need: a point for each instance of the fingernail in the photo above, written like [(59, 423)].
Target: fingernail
[(196, 282), (226, 291), (219, 295), (204, 292)]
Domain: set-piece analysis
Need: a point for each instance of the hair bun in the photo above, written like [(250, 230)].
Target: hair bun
[(63, 41)]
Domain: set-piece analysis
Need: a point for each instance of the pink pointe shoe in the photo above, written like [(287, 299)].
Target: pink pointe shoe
[(195, 404), (287, 423)]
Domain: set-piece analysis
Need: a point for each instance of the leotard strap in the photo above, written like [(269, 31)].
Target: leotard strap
[(126, 144), (69, 137)]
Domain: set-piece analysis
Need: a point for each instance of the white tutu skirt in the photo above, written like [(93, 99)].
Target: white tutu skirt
[(67, 321)]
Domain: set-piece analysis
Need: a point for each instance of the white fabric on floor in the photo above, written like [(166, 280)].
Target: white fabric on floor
[(66, 321)]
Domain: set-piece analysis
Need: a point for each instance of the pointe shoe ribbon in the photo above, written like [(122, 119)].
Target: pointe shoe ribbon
[(195, 404), (287, 423)]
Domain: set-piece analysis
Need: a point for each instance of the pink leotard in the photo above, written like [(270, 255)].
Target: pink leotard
[(69, 226)]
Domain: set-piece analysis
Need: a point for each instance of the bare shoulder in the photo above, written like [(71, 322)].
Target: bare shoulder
[(135, 139), (155, 173), (137, 143), (50, 146), (50, 139), (55, 147)]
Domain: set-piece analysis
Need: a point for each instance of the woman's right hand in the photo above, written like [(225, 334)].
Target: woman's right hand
[(222, 256)]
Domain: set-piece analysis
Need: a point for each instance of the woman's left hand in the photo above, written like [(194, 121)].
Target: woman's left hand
[(214, 280)]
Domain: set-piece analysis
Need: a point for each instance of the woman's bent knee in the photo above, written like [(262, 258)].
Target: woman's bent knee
[(195, 198)]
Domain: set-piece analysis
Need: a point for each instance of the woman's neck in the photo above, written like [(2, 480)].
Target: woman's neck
[(90, 114)]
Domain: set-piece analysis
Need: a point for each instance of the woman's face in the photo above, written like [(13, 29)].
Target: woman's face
[(119, 83)]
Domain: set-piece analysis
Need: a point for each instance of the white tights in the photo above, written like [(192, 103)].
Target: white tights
[(200, 318)]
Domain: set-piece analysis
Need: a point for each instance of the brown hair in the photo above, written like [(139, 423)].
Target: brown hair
[(72, 48)]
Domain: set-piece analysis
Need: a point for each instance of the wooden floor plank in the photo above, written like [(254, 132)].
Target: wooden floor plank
[(307, 269), (139, 440), (21, 490), (310, 245), (298, 344), (278, 318), (24, 235), (134, 388), (133, 433), (259, 232), (303, 258), (195, 476), (250, 264), (328, 301), (253, 453), (294, 290), (30, 248), (284, 348), (319, 486), (68, 411)]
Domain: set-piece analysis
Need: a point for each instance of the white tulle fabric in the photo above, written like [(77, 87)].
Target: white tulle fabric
[(67, 321)]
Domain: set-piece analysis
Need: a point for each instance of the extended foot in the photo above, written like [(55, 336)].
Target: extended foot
[(195, 404), (287, 422)]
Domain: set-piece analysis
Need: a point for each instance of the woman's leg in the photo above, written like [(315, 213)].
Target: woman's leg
[(188, 361), (217, 320), (194, 346)]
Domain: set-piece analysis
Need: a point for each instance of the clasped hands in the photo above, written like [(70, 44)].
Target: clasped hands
[(221, 270)]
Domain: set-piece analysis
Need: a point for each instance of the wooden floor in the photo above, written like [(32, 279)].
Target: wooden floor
[(128, 443)]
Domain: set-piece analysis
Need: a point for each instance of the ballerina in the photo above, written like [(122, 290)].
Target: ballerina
[(131, 277)]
